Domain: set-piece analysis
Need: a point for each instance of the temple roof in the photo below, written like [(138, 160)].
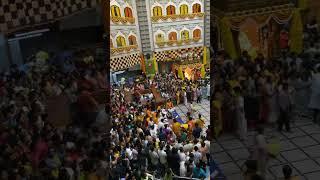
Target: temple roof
[(229, 6)]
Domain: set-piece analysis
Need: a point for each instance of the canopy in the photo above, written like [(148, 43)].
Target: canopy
[(281, 14)]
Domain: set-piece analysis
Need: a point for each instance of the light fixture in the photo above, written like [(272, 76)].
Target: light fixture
[(32, 32), (25, 37)]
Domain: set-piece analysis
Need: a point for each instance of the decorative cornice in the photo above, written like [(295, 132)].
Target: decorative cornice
[(177, 42), (254, 12), (123, 49), (122, 20), (177, 17)]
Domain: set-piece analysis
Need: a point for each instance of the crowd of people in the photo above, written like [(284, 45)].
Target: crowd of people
[(32, 147), (147, 139), (255, 93)]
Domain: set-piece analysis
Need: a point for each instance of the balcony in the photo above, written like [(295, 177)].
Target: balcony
[(123, 20), (178, 42), (125, 49), (177, 17)]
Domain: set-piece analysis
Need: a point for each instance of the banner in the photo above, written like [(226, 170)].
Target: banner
[(227, 38), (296, 31)]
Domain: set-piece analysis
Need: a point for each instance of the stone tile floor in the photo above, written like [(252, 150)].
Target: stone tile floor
[(299, 149), (203, 108)]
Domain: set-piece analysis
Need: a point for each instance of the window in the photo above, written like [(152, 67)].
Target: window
[(171, 10), (184, 9), (128, 12), (196, 8), (157, 11), (111, 43), (185, 35), (115, 11), (121, 42), (132, 40), (197, 34), (172, 36), (159, 38)]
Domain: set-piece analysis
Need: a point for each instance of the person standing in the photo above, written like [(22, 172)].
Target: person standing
[(285, 104), (185, 99), (240, 115), (199, 95), (154, 157), (208, 91), (315, 95), (196, 131), (260, 152)]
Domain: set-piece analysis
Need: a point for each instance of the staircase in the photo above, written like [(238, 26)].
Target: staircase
[(207, 22), (143, 26)]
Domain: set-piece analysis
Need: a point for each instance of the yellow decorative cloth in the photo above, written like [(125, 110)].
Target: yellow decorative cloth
[(218, 117), (296, 31), (227, 38)]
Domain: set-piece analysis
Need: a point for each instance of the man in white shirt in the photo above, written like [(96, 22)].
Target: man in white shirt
[(129, 152), (182, 155), (161, 124), (162, 156), (178, 144), (197, 155), (188, 147), (154, 157), (183, 169), (153, 131)]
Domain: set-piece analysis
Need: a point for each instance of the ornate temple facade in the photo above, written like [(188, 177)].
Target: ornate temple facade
[(125, 41), (166, 34)]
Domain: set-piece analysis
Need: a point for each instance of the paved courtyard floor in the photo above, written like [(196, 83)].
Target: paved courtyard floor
[(203, 108), (299, 149)]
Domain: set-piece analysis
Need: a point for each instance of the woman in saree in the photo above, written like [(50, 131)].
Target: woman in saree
[(178, 96), (228, 110)]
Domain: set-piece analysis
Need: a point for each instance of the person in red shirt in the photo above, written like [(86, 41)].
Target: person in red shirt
[(284, 40)]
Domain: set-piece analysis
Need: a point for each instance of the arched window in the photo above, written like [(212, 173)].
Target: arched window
[(115, 11), (128, 12), (159, 38), (196, 8), (171, 10), (185, 35), (184, 9), (197, 34), (172, 36), (121, 41), (132, 40), (157, 11), (111, 43)]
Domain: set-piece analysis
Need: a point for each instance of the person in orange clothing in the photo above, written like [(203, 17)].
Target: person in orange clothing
[(155, 116), (200, 121), (149, 112), (169, 104), (190, 126), (176, 128)]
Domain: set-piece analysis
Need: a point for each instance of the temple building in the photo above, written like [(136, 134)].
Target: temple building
[(160, 36)]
